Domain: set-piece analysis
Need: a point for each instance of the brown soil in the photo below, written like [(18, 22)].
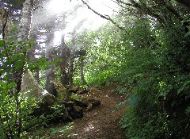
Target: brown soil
[(101, 122)]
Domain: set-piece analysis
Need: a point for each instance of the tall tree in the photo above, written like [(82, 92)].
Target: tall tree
[(23, 35)]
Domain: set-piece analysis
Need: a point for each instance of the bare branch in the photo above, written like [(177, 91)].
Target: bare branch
[(107, 17)]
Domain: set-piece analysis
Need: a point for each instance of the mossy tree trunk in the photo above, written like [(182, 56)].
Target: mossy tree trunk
[(23, 35)]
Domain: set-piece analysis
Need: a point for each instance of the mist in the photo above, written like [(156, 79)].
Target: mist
[(60, 21)]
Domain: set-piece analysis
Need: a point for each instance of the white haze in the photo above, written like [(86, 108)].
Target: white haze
[(75, 12)]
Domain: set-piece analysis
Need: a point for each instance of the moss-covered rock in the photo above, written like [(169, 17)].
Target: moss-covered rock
[(61, 90), (31, 88)]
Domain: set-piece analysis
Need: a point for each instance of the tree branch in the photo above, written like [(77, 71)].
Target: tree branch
[(107, 17)]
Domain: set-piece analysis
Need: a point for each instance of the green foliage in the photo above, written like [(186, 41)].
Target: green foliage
[(14, 109), (102, 54), (63, 130), (9, 110), (52, 132), (18, 113), (150, 64), (142, 128), (121, 90)]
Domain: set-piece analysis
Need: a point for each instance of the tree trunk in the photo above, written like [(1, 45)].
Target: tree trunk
[(50, 73), (65, 64), (37, 75), (23, 35), (26, 20), (50, 77), (82, 70), (4, 15), (71, 70)]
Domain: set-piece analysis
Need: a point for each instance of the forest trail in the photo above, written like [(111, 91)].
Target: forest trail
[(101, 122)]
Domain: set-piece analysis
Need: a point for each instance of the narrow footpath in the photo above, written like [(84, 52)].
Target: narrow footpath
[(101, 122)]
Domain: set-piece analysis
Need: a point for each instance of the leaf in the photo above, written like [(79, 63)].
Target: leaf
[(185, 87), (1, 43), (187, 34)]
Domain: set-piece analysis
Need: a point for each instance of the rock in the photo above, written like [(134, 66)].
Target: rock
[(47, 98), (75, 108), (75, 112), (74, 89), (80, 103), (31, 88), (83, 91), (78, 108), (61, 90), (47, 111), (92, 103), (67, 103)]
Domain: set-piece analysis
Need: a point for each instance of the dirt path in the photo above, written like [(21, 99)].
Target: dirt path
[(101, 122)]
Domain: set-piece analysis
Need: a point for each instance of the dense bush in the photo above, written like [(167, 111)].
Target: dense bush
[(150, 62), (17, 112), (14, 109)]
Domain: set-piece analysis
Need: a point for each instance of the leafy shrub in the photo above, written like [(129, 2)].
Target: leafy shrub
[(149, 63), (10, 113), (156, 126)]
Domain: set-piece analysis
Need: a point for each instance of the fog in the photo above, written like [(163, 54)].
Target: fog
[(56, 20)]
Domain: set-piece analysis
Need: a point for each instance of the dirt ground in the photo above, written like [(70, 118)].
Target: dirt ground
[(101, 122)]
